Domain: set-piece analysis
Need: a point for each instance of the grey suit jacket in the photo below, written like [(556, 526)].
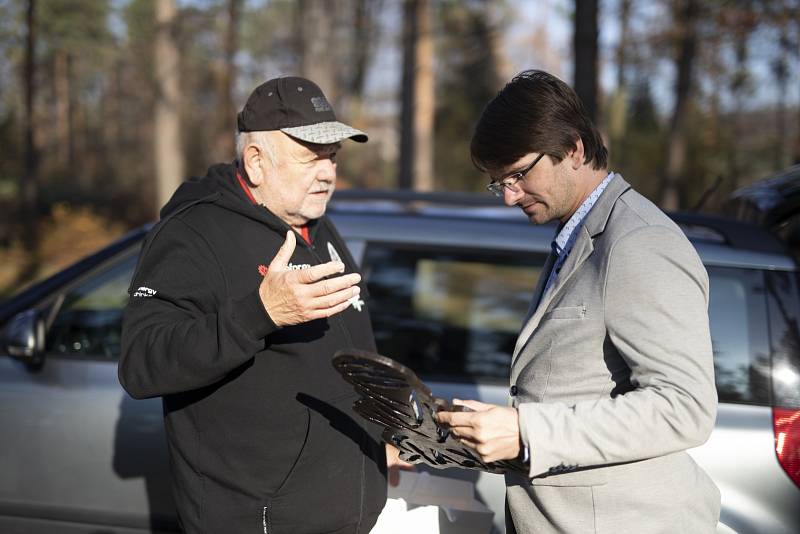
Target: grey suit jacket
[(615, 380)]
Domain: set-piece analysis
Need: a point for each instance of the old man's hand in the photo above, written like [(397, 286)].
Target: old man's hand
[(491, 430), (298, 296), (394, 465)]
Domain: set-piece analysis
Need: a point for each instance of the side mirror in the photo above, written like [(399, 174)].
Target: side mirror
[(23, 338)]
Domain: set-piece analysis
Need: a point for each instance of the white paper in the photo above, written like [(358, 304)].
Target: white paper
[(414, 504)]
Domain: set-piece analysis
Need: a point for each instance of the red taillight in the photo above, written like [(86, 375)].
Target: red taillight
[(786, 422)]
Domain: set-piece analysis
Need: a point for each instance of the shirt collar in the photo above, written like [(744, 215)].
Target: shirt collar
[(567, 232)]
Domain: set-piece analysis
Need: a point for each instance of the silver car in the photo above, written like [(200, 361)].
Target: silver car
[(449, 281)]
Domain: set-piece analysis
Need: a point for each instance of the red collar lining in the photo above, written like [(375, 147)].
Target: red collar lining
[(245, 188), (304, 232)]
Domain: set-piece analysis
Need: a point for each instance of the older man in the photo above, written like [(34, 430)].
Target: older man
[(243, 292), (612, 377)]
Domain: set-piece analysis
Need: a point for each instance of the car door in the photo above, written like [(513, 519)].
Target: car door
[(77, 454), (746, 305), (452, 313)]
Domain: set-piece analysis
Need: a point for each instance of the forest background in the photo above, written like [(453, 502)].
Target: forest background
[(107, 105)]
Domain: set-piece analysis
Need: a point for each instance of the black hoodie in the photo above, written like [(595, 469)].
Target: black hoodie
[(261, 431)]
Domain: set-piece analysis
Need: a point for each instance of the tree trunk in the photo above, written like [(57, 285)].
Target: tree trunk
[(225, 73), (424, 101), (315, 45), (686, 21), (405, 174), (780, 70), (585, 49), (796, 149), (624, 36), (28, 187), (418, 98), (112, 110), (743, 25), (61, 79), (618, 112), (169, 161), (362, 49)]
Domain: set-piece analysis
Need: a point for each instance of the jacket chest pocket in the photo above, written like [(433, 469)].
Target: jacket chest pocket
[(565, 313), (571, 329)]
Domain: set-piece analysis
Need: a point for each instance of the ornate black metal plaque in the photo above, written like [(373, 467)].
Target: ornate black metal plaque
[(393, 397)]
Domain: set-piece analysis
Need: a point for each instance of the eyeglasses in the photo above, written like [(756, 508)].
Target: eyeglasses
[(509, 182)]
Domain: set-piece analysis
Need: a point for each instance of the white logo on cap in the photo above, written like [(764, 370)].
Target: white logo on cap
[(320, 104)]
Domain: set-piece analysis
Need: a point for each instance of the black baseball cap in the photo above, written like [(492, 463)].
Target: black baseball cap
[(297, 107)]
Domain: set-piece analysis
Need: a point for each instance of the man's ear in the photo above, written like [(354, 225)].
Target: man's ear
[(252, 159), (576, 156)]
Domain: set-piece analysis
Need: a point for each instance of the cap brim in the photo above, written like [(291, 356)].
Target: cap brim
[(325, 133)]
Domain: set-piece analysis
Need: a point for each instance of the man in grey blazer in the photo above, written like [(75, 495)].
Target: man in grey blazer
[(612, 377)]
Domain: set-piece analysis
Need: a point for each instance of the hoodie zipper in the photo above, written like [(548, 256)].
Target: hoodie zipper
[(313, 251), (265, 519)]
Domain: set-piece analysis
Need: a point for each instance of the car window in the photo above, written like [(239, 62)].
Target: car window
[(740, 335), (449, 314), (89, 321), (785, 338)]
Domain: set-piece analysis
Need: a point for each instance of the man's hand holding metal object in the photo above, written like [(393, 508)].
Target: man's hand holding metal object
[(393, 397)]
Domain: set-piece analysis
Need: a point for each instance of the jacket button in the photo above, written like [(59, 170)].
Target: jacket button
[(513, 391)]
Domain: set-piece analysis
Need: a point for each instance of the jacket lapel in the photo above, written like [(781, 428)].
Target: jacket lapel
[(593, 225), (537, 297), (580, 251)]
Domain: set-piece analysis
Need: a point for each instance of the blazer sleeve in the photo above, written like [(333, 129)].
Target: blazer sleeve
[(181, 330), (656, 316)]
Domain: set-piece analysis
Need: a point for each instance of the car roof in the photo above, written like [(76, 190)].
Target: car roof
[(462, 220), (770, 201), (465, 219)]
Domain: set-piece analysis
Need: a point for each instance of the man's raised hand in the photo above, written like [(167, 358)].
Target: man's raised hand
[(299, 296)]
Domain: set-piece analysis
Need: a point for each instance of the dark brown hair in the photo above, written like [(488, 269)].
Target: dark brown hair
[(534, 112)]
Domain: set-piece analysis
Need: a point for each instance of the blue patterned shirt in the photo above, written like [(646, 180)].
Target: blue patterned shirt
[(568, 233)]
